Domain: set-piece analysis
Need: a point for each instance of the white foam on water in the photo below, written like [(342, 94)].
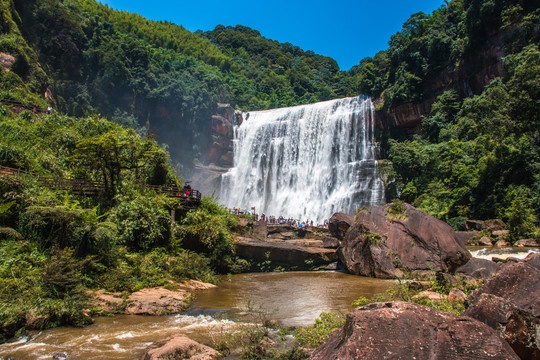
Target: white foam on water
[(502, 253), (125, 335), (188, 322), (118, 348)]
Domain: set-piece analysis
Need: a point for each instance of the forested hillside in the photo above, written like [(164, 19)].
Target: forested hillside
[(57, 244), (476, 154), (159, 78)]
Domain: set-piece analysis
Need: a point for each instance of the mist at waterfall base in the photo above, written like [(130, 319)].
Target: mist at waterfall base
[(305, 162)]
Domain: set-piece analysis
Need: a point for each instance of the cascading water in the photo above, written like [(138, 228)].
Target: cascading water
[(305, 162)]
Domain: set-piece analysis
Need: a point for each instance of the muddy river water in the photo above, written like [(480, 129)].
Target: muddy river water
[(291, 298)]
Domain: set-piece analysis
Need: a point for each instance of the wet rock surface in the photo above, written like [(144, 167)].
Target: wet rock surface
[(478, 268), (179, 347), (385, 246), (150, 301), (399, 330)]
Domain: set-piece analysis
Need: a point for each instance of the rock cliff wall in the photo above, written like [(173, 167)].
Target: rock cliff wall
[(470, 77), (219, 157)]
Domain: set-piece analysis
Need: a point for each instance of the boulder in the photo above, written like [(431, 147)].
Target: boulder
[(386, 246), (485, 241), (501, 233), (527, 243), (157, 301), (419, 285), (60, 356), (179, 347), (457, 296), (430, 295), (400, 330), (533, 260), (503, 260), (6, 61), (502, 243), (518, 283), (108, 302), (465, 236), (150, 301), (489, 225), (478, 268), (330, 242), (517, 327), (338, 225)]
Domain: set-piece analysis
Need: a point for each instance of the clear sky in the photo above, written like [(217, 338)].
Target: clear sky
[(346, 30)]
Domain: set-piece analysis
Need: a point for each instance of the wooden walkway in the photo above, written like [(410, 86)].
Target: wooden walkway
[(188, 198)]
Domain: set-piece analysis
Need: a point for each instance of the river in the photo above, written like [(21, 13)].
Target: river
[(291, 298)]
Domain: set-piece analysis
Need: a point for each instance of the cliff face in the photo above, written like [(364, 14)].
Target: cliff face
[(219, 157), (475, 71)]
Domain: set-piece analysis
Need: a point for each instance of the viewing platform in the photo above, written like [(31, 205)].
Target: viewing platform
[(187, 198)]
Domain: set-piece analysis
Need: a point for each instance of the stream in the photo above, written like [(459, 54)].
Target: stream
[(291, 298)]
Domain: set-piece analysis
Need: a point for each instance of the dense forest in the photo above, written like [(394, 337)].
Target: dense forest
[(132, 101), (55, 244)]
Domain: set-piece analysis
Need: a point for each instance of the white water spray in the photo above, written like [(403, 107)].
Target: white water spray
[(305, 162)]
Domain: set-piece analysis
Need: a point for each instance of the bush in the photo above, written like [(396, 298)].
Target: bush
[(314, 335), (142, 219), (396, 210), (38, 291), (457, 223), (208, 229)]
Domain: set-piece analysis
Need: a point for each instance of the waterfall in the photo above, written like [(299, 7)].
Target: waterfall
[(305, 162)]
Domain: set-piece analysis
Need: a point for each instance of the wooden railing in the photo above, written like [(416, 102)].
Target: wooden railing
[(187, 197)]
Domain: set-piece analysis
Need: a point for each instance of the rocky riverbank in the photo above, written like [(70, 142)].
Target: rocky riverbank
[(172, 299), (284, 246)]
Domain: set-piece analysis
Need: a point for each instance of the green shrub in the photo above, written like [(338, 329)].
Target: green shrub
[(373, 238), (314, 335), (142, 219), (457, 223), (208, 229), (396, 210)]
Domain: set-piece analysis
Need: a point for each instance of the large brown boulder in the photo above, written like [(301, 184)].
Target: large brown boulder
[(339, 223), (533, 260), (179, 347), (158, 301), (516, 326), (518, 283), (399, 330), (479, 268), (385, 244), (149, 301), (527, 243)]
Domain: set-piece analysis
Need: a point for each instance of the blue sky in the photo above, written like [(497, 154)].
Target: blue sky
[(346, 30)]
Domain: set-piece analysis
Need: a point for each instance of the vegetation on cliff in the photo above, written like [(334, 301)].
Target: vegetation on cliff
[(158, 77), (476, 154)]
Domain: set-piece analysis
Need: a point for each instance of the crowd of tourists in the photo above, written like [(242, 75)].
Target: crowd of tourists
[(280, 220)]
